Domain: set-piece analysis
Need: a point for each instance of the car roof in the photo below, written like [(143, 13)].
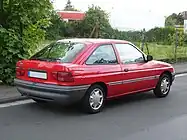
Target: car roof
[(93, 40)]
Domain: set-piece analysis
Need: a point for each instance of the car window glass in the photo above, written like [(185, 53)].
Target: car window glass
[(63, 52), (129, 54), (103, 55)]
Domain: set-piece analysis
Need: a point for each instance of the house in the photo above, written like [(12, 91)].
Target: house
[(185, 21), (71, 15), (184, 15)]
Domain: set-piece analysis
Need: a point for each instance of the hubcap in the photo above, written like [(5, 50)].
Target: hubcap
[(165, 85), (96, 99)]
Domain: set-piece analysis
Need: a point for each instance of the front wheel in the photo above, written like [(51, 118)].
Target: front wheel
[(163, 87), (94, 100)]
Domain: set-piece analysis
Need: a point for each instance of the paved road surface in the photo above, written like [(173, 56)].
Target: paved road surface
[(135, 117)]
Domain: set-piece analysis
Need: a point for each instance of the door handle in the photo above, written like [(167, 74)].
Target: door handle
[(126, 70)]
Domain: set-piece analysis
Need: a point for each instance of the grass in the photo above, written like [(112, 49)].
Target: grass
[(166, 52)]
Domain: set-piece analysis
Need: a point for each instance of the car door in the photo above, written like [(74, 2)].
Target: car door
[(103, 66), (138, 74)]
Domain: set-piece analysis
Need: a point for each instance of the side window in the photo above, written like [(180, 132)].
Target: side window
[(102, 55), (129, 54)]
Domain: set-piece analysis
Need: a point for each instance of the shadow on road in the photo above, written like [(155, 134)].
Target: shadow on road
[(129, 99), (75, 110)]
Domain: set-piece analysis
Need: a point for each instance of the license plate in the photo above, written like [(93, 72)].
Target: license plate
[(35, 74)]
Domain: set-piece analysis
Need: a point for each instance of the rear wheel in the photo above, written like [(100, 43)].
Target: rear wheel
[(163, 87), (94, 100)]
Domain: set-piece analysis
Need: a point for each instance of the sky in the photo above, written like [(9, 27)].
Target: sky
[(132, 14)]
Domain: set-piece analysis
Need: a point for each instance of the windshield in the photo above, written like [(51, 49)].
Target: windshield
[(59, 51)]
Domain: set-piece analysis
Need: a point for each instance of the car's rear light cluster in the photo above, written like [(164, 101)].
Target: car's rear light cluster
[(63, 76), (20, 71)]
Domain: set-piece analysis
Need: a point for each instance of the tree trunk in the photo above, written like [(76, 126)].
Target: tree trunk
[(1, 12), (10, 6), (1, 6), (21, 30)]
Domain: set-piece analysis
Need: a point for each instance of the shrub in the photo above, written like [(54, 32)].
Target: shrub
[(11, 50)]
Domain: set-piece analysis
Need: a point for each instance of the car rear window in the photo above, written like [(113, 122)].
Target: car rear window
[(59, 51)]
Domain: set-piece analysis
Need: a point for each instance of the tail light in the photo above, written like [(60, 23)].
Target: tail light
[(20, 71), (63, 76)]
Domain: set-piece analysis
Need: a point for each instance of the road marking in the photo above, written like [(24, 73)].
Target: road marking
[(181, 75), (16, 103)]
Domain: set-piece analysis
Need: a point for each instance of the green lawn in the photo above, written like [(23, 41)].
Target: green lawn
[(160, 52)]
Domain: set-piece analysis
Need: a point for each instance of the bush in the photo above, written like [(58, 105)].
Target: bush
[(22, 27), (162, 36), (11, 50), (56, 29), (185, 38)]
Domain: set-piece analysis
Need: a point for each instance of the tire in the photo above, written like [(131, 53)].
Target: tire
[(163, 86), (94, 100), (39, 101)]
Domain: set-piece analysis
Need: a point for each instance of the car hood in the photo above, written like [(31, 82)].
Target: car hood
[(160, 64)]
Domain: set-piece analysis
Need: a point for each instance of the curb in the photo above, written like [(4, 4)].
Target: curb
[(12, 99), (20, 98), (183, 72)]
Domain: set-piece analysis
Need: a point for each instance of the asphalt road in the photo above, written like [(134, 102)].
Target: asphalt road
[(141, 117)]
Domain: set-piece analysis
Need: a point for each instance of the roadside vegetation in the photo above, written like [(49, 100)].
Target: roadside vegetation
[(27, 26), (167, 52)]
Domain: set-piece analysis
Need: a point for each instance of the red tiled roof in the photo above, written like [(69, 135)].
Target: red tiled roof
[(72, 15)]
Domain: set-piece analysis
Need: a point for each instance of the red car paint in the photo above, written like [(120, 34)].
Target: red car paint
[(84, 74)]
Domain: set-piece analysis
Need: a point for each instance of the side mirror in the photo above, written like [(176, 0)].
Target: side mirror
[(149, 58)]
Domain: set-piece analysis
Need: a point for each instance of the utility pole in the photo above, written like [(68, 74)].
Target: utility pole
[(143, 39), (177, 40), (176, 45)]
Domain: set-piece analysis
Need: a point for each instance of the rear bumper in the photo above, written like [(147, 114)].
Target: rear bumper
[(49, 92)]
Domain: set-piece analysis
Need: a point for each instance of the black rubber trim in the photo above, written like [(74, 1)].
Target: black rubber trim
[(48, 92), (48, 87), (173, 76)]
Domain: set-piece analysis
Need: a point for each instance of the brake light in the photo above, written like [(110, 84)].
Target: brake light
[(20, 71), (63, 76)]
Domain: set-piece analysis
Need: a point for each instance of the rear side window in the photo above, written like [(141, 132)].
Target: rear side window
[(60, 51), (102, 55)]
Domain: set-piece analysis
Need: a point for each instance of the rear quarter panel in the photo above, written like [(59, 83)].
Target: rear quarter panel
[(90, 74)]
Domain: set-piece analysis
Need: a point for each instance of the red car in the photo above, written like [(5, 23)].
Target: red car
[(91, 71)]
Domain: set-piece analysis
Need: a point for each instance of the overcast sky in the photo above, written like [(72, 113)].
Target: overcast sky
[(132, 14)]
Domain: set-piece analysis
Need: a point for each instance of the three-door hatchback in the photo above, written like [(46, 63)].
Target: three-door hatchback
[(91, 71)]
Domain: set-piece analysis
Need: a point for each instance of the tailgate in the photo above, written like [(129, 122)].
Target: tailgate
[(40, 71)]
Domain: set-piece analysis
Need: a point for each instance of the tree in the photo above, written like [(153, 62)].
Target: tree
[(95, 18), (180, 19), (174, 19), (22, 28), (69, 6), (56, 29), (160, 35)]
